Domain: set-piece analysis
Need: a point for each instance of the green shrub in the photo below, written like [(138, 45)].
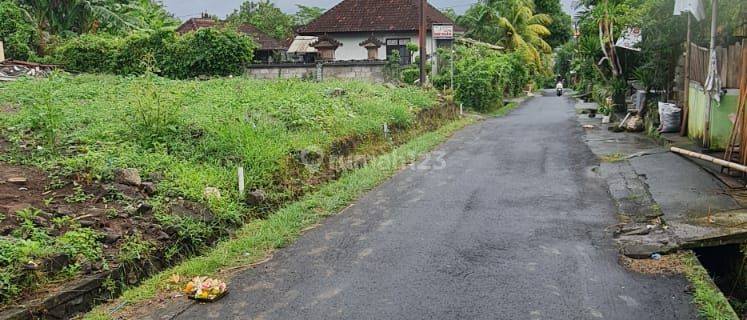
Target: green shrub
[(144, 52), (477, 83), (15, 33), (208, 52), (410, 74), (81, 243), (89, 53), (482, 77), (153, 116)]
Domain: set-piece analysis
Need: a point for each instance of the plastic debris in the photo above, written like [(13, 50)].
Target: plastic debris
[(655, 256)]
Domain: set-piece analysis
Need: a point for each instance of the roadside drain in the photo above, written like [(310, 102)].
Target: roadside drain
[(726, 266)]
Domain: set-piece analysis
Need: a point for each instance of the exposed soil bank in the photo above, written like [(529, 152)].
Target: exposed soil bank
[(61, 299)]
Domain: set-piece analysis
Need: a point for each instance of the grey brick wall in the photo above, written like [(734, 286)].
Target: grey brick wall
[(362, 71)]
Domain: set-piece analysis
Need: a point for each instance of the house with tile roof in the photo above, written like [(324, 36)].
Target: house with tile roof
[(373, 29), (268, 49)]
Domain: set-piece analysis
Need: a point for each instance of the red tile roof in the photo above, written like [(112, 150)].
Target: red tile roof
[(195, 23), (373, 15), (265, 41)]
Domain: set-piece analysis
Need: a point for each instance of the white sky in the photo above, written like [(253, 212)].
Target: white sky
[(185, 9)]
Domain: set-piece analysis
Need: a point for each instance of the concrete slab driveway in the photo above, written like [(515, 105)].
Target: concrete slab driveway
[(505, 221)]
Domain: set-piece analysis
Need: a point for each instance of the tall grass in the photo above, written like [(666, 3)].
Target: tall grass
[(189, 135)]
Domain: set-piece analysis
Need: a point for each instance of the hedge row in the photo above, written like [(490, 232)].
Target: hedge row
[(205, 52)]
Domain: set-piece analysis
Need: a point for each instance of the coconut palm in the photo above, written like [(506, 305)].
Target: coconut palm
[(510, 23), (521, 29)]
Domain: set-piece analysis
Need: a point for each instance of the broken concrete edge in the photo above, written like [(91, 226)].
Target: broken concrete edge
[(641, 238), (706, 295)]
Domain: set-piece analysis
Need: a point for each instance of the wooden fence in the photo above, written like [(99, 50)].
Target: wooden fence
[(729, 64)]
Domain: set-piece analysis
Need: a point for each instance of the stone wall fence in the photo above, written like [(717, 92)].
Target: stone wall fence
[(371, 71)]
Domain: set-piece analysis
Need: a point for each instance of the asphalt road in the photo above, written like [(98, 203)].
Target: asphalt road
[(507, 224)]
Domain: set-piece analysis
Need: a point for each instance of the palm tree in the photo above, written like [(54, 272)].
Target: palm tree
[(510, 23), (521, 29)]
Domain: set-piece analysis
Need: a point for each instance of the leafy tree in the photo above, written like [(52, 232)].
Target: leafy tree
[(560, 28), (480, 21), (265, 16), (17, 35), (50, 18), (306, 14), (451, 14), (147, 15)]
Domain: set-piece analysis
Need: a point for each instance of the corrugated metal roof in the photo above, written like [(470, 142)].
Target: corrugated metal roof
[(302, 44)]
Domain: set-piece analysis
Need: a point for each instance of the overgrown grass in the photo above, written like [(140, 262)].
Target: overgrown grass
[(258, 239), (712, 305), (190, 130), (189, 135)]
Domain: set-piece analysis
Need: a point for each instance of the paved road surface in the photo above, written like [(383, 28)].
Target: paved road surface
[(510, 228)]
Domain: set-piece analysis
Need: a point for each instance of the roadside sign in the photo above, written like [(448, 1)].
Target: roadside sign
[(443, 31), (629, 39)]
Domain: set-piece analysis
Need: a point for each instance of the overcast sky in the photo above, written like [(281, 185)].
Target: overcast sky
[(185, 9)]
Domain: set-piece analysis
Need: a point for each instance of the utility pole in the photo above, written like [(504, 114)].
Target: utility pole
[(423, 33)]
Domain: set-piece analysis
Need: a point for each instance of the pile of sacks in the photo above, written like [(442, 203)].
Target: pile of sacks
[(669, 117)]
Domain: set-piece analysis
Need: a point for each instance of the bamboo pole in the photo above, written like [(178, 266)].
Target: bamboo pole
[(738, 137), (711, 48), (743, 105), (728, 164), (686, 94)]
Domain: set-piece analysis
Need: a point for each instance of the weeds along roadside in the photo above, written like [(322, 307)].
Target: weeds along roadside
[(255, 241), (193, 135)]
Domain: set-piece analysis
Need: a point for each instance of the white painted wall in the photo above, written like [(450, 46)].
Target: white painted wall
[(350, 50)]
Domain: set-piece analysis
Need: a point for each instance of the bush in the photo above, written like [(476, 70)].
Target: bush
[(410, 74), (144, 52), (89, 53), (208, 52), (17, 35), (482, 77)]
